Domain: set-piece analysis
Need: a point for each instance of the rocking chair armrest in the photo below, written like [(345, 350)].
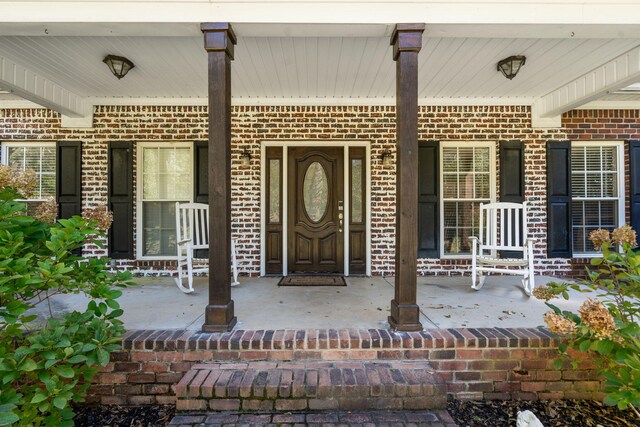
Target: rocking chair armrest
[(473, 239), (182, 242), (531, 240)]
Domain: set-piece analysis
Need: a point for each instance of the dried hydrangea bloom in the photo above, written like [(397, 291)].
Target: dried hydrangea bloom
[(543, 292), (47, 211), (558, 324), (598, 319), (598, 237), (24, 182), (624, 236), (101, 215)]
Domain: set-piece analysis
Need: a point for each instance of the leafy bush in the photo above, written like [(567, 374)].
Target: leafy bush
[(606, 326), (46, 364)]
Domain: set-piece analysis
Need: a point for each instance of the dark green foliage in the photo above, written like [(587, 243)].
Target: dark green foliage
[(47, 364)]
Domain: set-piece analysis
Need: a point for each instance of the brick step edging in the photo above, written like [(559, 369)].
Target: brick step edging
[(311, 386)]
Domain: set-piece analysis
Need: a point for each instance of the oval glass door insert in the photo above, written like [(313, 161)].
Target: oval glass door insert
[(316, 192)]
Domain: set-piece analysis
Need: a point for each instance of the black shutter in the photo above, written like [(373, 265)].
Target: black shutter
[(69, 178), (201, 182), (120, 177), (634, 178), (201, 168), (512, 180), (428, 200), (559, 233)]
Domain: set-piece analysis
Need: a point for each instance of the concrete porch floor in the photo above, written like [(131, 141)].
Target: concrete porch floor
[(445, 302)]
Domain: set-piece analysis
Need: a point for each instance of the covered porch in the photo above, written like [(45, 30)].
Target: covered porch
[(444, 303)]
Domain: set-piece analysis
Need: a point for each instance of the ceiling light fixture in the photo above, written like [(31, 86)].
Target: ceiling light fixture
[(119, 65), (511, 65)]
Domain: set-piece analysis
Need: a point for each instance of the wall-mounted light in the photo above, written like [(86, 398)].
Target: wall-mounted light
[(386, 157), (119, 65), (511, 65), (245, 157)]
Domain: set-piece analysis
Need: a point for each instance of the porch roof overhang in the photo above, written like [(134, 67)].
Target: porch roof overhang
[(312, 52)]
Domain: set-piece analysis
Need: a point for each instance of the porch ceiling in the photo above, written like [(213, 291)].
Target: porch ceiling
[(300, 69)]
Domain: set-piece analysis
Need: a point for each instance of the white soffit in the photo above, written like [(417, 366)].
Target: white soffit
[(33, 87), (608, 78), (307, 69)]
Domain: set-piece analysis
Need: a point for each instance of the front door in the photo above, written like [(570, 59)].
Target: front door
[(315, 240)]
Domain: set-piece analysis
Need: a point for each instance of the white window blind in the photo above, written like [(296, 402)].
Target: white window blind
[(466, 182), (595, 187), (39, 158)]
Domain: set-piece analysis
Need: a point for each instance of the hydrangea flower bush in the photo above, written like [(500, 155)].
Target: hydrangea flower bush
[(606, 325)]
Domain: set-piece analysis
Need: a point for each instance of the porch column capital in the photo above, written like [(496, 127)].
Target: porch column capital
[(406, 38), (219, 36)]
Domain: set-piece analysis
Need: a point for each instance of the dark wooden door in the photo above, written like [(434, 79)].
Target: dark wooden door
[(315, 210)]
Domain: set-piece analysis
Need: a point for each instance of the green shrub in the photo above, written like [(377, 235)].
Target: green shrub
[(607, 325), (47, 364)]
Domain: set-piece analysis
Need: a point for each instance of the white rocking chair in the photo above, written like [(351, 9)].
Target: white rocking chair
[(503, 227), (192, 234)]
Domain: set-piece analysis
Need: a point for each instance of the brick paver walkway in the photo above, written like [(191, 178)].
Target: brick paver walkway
[(436, 418)]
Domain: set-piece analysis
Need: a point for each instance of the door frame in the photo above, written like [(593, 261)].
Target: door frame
[(345, 144)]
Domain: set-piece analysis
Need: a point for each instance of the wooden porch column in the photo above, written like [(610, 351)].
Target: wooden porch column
[(219, 40), (406, 41)]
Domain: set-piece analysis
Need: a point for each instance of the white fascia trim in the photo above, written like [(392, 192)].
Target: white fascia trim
[(237, 101), (326, 11), (610, 105), (36, 88), (19, 104), (610, 76)]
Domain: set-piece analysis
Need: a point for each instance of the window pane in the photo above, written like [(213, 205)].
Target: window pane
[(167, 173), (356, 190), (589, 216), (450, 186), (274, 190), (159, 228), (482, 190), (460, 222)]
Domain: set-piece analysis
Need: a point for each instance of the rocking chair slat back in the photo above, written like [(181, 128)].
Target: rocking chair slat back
[(502, 227), (192, 231)]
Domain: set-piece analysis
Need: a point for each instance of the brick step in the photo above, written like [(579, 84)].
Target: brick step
[(310, 385)]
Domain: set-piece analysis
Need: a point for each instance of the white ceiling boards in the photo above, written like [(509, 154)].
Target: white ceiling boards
[(335, 53)]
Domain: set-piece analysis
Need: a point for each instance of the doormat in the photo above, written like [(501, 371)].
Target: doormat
[(312, 281)]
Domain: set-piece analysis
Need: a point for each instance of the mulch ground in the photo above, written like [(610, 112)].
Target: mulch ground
[(495, 413), (123, 416), (556, 413)]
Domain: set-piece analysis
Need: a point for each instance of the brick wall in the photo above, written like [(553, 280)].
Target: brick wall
[(376, 124), (489, 363)]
